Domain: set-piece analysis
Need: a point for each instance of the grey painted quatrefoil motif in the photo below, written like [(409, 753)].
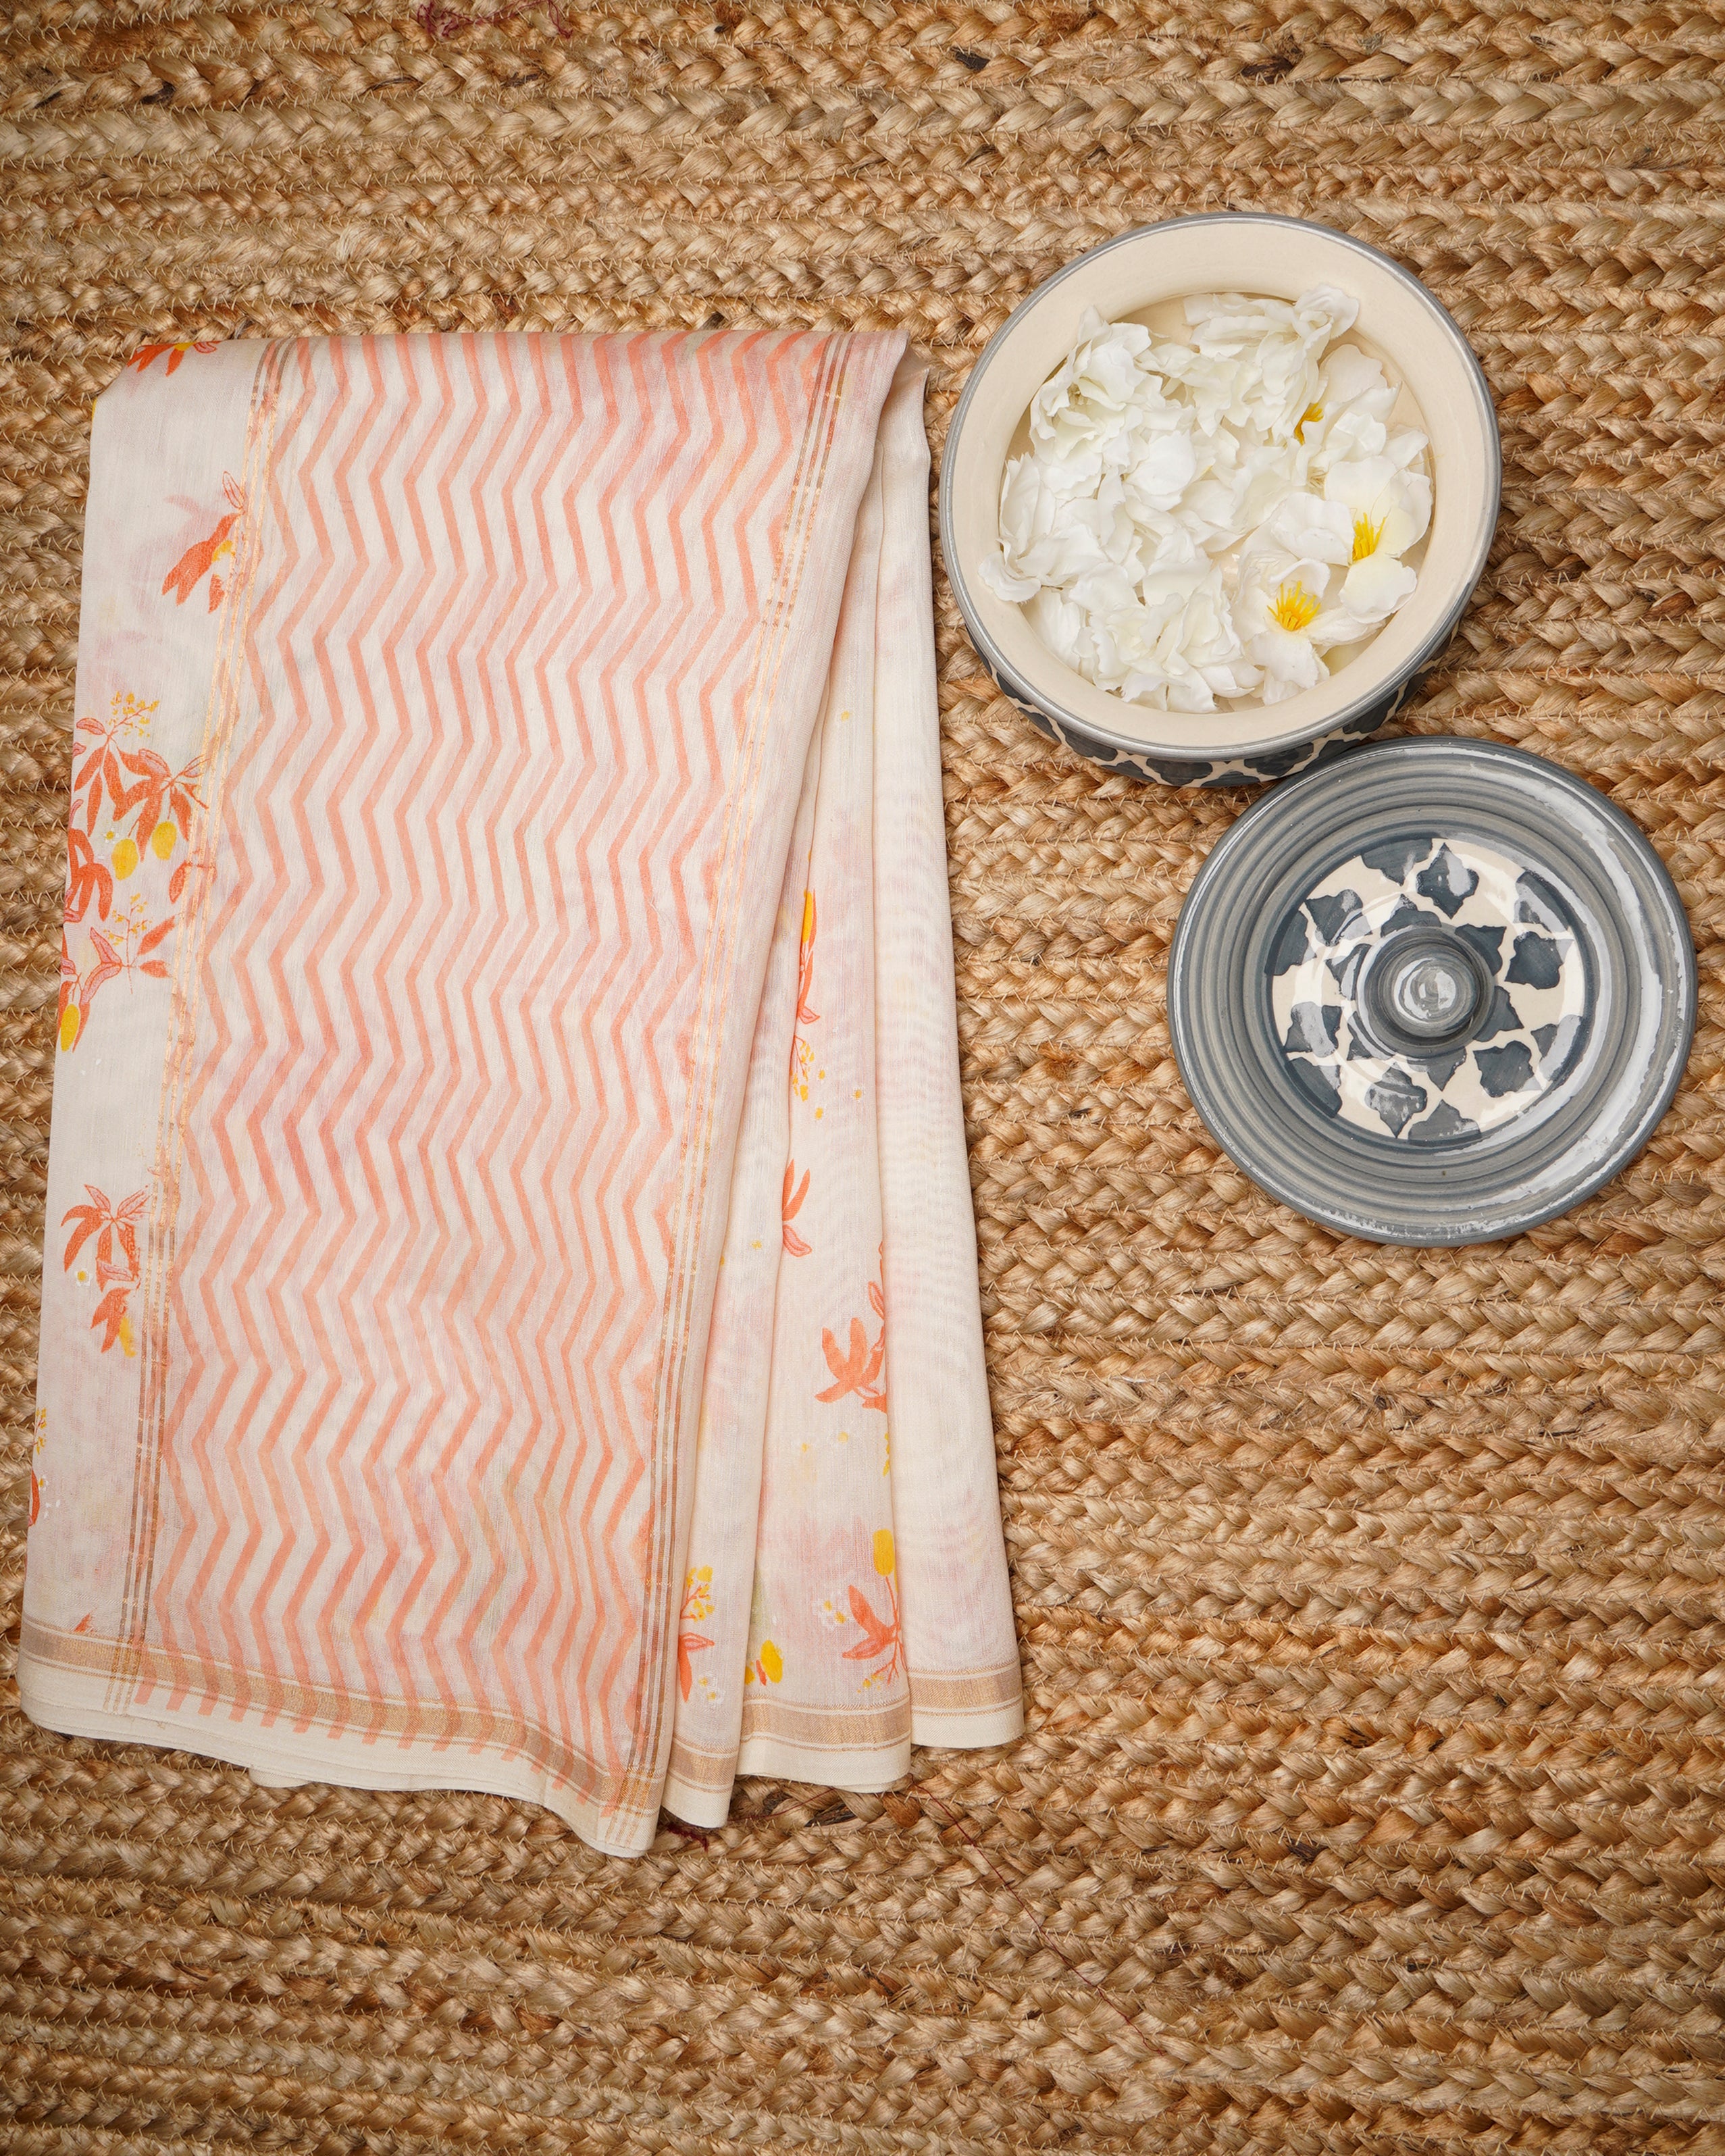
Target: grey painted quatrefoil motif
[(1429, 990)]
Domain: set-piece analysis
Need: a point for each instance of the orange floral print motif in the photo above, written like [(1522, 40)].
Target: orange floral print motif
[(115, 1229), (77, 987), (98, 775), (792, 1205), (166, 801), (117, 778), (204, 557), (765, 1664), (805, 962), (146, 355), (137, 938), (857, 1368), (86, 879), (697, 1608), (882, 1635)]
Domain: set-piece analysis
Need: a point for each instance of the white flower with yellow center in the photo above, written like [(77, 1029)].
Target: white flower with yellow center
[(1390, 510), (1197, 522), (1277, 614), (1284, 611)]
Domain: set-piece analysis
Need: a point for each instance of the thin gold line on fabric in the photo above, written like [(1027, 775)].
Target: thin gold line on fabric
[(220, 729), (221, 715), (257, 1701), (672, 1368), (833, 1729), (814, 458), (973, 1690)]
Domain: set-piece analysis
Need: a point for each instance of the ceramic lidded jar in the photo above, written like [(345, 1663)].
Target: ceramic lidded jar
[(1143, 276)]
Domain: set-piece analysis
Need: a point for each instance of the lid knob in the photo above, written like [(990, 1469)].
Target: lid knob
[(1432, 993), (1422, 988)]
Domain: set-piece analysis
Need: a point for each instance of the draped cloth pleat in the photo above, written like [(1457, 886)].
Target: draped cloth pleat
[(511, 1315)]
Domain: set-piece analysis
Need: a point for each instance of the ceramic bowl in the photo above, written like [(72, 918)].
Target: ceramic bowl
[(1142, 275), (1436, 993)]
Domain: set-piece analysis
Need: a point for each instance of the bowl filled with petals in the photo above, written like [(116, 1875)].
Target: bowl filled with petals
[(1216, 496)]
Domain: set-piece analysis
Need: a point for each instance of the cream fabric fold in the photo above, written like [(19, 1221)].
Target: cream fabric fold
[(510, 1315)]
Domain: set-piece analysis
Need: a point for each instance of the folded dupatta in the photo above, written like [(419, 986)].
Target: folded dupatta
[(510, 1315)]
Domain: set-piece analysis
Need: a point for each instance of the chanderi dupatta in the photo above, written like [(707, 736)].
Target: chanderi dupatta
[(510, 1315)]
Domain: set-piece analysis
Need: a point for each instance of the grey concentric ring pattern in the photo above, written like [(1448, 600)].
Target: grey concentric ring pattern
[(1586, 891)]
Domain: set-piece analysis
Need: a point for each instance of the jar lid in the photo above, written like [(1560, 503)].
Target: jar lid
[(1434, 992)]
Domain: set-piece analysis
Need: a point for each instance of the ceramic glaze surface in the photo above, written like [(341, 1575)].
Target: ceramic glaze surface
[(1420, 347), (1428, 989), (1434, 992)]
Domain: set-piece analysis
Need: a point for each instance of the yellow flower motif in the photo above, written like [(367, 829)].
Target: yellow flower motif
[(883, 1553), (1294, 608), (766, 1668), (1366, 536)]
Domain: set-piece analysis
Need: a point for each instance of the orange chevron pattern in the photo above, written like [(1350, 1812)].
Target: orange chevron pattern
[(536, 636)]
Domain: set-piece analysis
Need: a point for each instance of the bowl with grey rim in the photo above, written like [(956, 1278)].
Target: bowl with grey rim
[(1142, 275)]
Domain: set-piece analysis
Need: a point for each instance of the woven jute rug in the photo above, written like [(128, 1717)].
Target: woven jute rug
[(1370, 1600)]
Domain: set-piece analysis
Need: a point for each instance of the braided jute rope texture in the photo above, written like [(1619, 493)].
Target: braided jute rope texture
[(1370, 1599)]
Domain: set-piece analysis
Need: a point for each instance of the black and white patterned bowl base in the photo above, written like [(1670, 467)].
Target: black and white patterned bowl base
[(1250, 768), (1433, 994)]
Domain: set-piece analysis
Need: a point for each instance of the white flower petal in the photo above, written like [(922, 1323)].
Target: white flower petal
[(1289, 662), (1340, 624), (1351, 378), (1062, 628), (1305, 526), (1405, 447), (1240, 678), (991, 571), (1164, 470), (1190, 692), (1357, 483), (1287, 655), (1201, 520), (1373, 589)]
